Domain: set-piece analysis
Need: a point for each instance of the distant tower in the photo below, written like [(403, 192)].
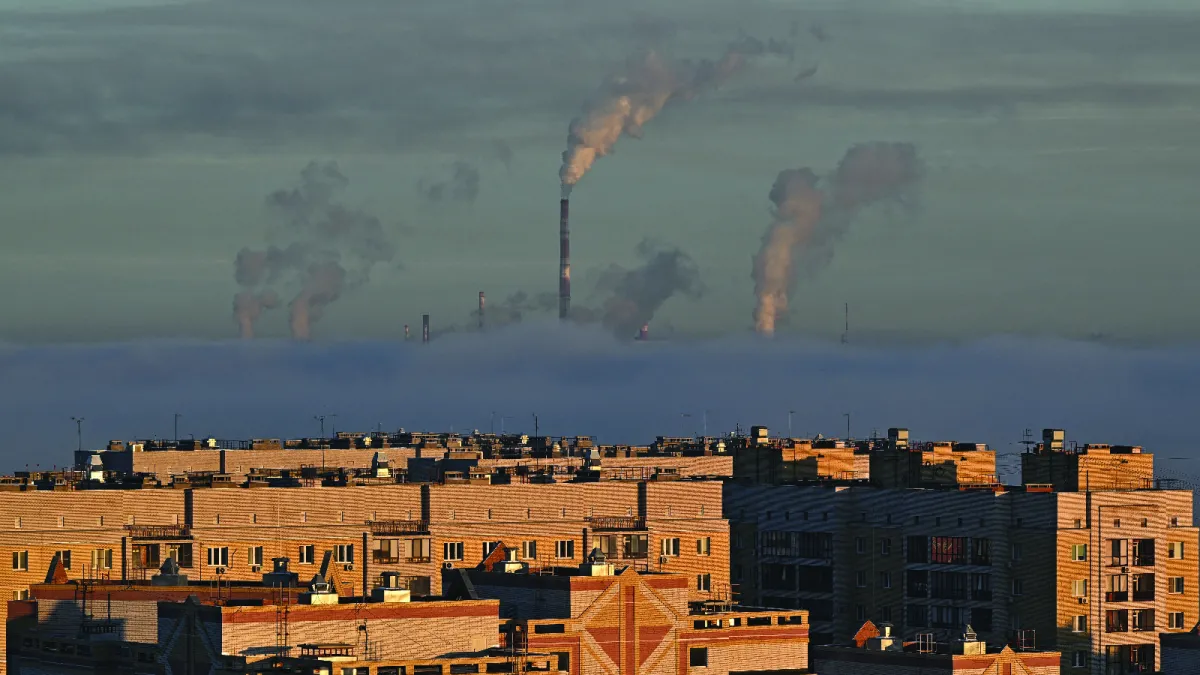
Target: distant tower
[(425, 328), (481, 305), (406, 333), (846, 331)]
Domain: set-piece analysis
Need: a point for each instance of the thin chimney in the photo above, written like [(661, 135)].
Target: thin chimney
[(644, 333), (481, 305), (406, 333), (425, 328), (564, 260)]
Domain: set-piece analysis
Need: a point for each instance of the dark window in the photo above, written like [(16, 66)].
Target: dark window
[(463, 668), (918, 550), (818, 610), (917, 584), (698, 657), (814, 579), (981, 552), (917, 616), (981, 618), (549, 628), (564, 661)]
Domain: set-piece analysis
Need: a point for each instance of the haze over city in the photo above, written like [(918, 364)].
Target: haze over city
[(1025, 208)]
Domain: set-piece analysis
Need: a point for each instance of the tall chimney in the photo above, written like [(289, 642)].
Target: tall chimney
[(406, 334), (425, 328), (644, 333), (481, 304), (564, 260)]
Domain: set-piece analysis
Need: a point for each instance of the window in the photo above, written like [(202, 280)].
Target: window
[(20, 560), (1174, 620), (65, 557), (564, 548), (343, 554), (1078, 524), (1016, 551), (1018, 587), (885, 579), (181, 553), (1175, 550), (860, 579), (981, 551), (885, 613), (1079, 588), (1116, 620), (704, 582), (704, 546), (1079, 552), (861, 612), (671, 547), (452, 550), (948, 550), (218, 556), (529, 550), (102, 558), (698, 657), (254, 555), (22, 594), (1143, 619), (488, 547), (917, 616), (419, 549), (885, 546), (1079, 659), (860, 545), (1079, 623), (918, 550), (307, 553), (1175, 585)]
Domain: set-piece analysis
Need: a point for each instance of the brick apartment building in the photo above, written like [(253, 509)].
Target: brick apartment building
[(876, 651), (500, 616), (1096, 575), (413, 530)]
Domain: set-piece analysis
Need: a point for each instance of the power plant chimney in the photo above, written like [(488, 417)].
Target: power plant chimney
[(425, 328), (644, 333), (564, 260), (481, 304)]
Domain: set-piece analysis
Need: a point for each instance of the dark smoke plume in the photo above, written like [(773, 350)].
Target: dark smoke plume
[(624, 104), (461, 185), (634, 295), (317, 249), (810, 215)]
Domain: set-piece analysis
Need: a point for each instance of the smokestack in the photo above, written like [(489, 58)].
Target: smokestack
[(406, 333), (564, 260), (644, 333), (425, 328), (481, 304)]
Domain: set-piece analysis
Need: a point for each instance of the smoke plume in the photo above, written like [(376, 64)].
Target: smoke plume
[(317, 248), (461, 185), (634, 295), (810, 215), (624, 104)]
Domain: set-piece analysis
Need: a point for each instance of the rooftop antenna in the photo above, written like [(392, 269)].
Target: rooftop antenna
[(78, 431), (846, 331)]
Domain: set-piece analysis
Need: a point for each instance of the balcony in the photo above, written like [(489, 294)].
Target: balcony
[(1116, 596), (384, 558), (1118, 561), (1143, 560), (1143, 596), (979, 594), (617, 523), (157, 532), (417, 559), (380, 528), (635, 555)]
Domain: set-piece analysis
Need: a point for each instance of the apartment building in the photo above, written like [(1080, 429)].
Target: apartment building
[(876, 651), (500, 616), (1095, 575), (412, 530)]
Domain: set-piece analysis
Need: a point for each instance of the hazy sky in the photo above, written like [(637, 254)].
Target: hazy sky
[(138, 141)]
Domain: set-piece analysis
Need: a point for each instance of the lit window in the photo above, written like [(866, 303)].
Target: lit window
[(254, 555), (20, 561), (670, 546), (452, 550), (1079, 588), (704, 546), (307, 553), (529, 550), (344, 554), (1175, 550), (102, 558), (1079, 552)]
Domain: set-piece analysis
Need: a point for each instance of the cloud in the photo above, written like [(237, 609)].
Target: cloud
[(580, 380)]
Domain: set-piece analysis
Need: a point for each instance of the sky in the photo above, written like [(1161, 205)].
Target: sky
[(138, 141), (416, 147)]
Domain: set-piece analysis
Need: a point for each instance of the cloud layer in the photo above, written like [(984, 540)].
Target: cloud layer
[(580, 380)]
